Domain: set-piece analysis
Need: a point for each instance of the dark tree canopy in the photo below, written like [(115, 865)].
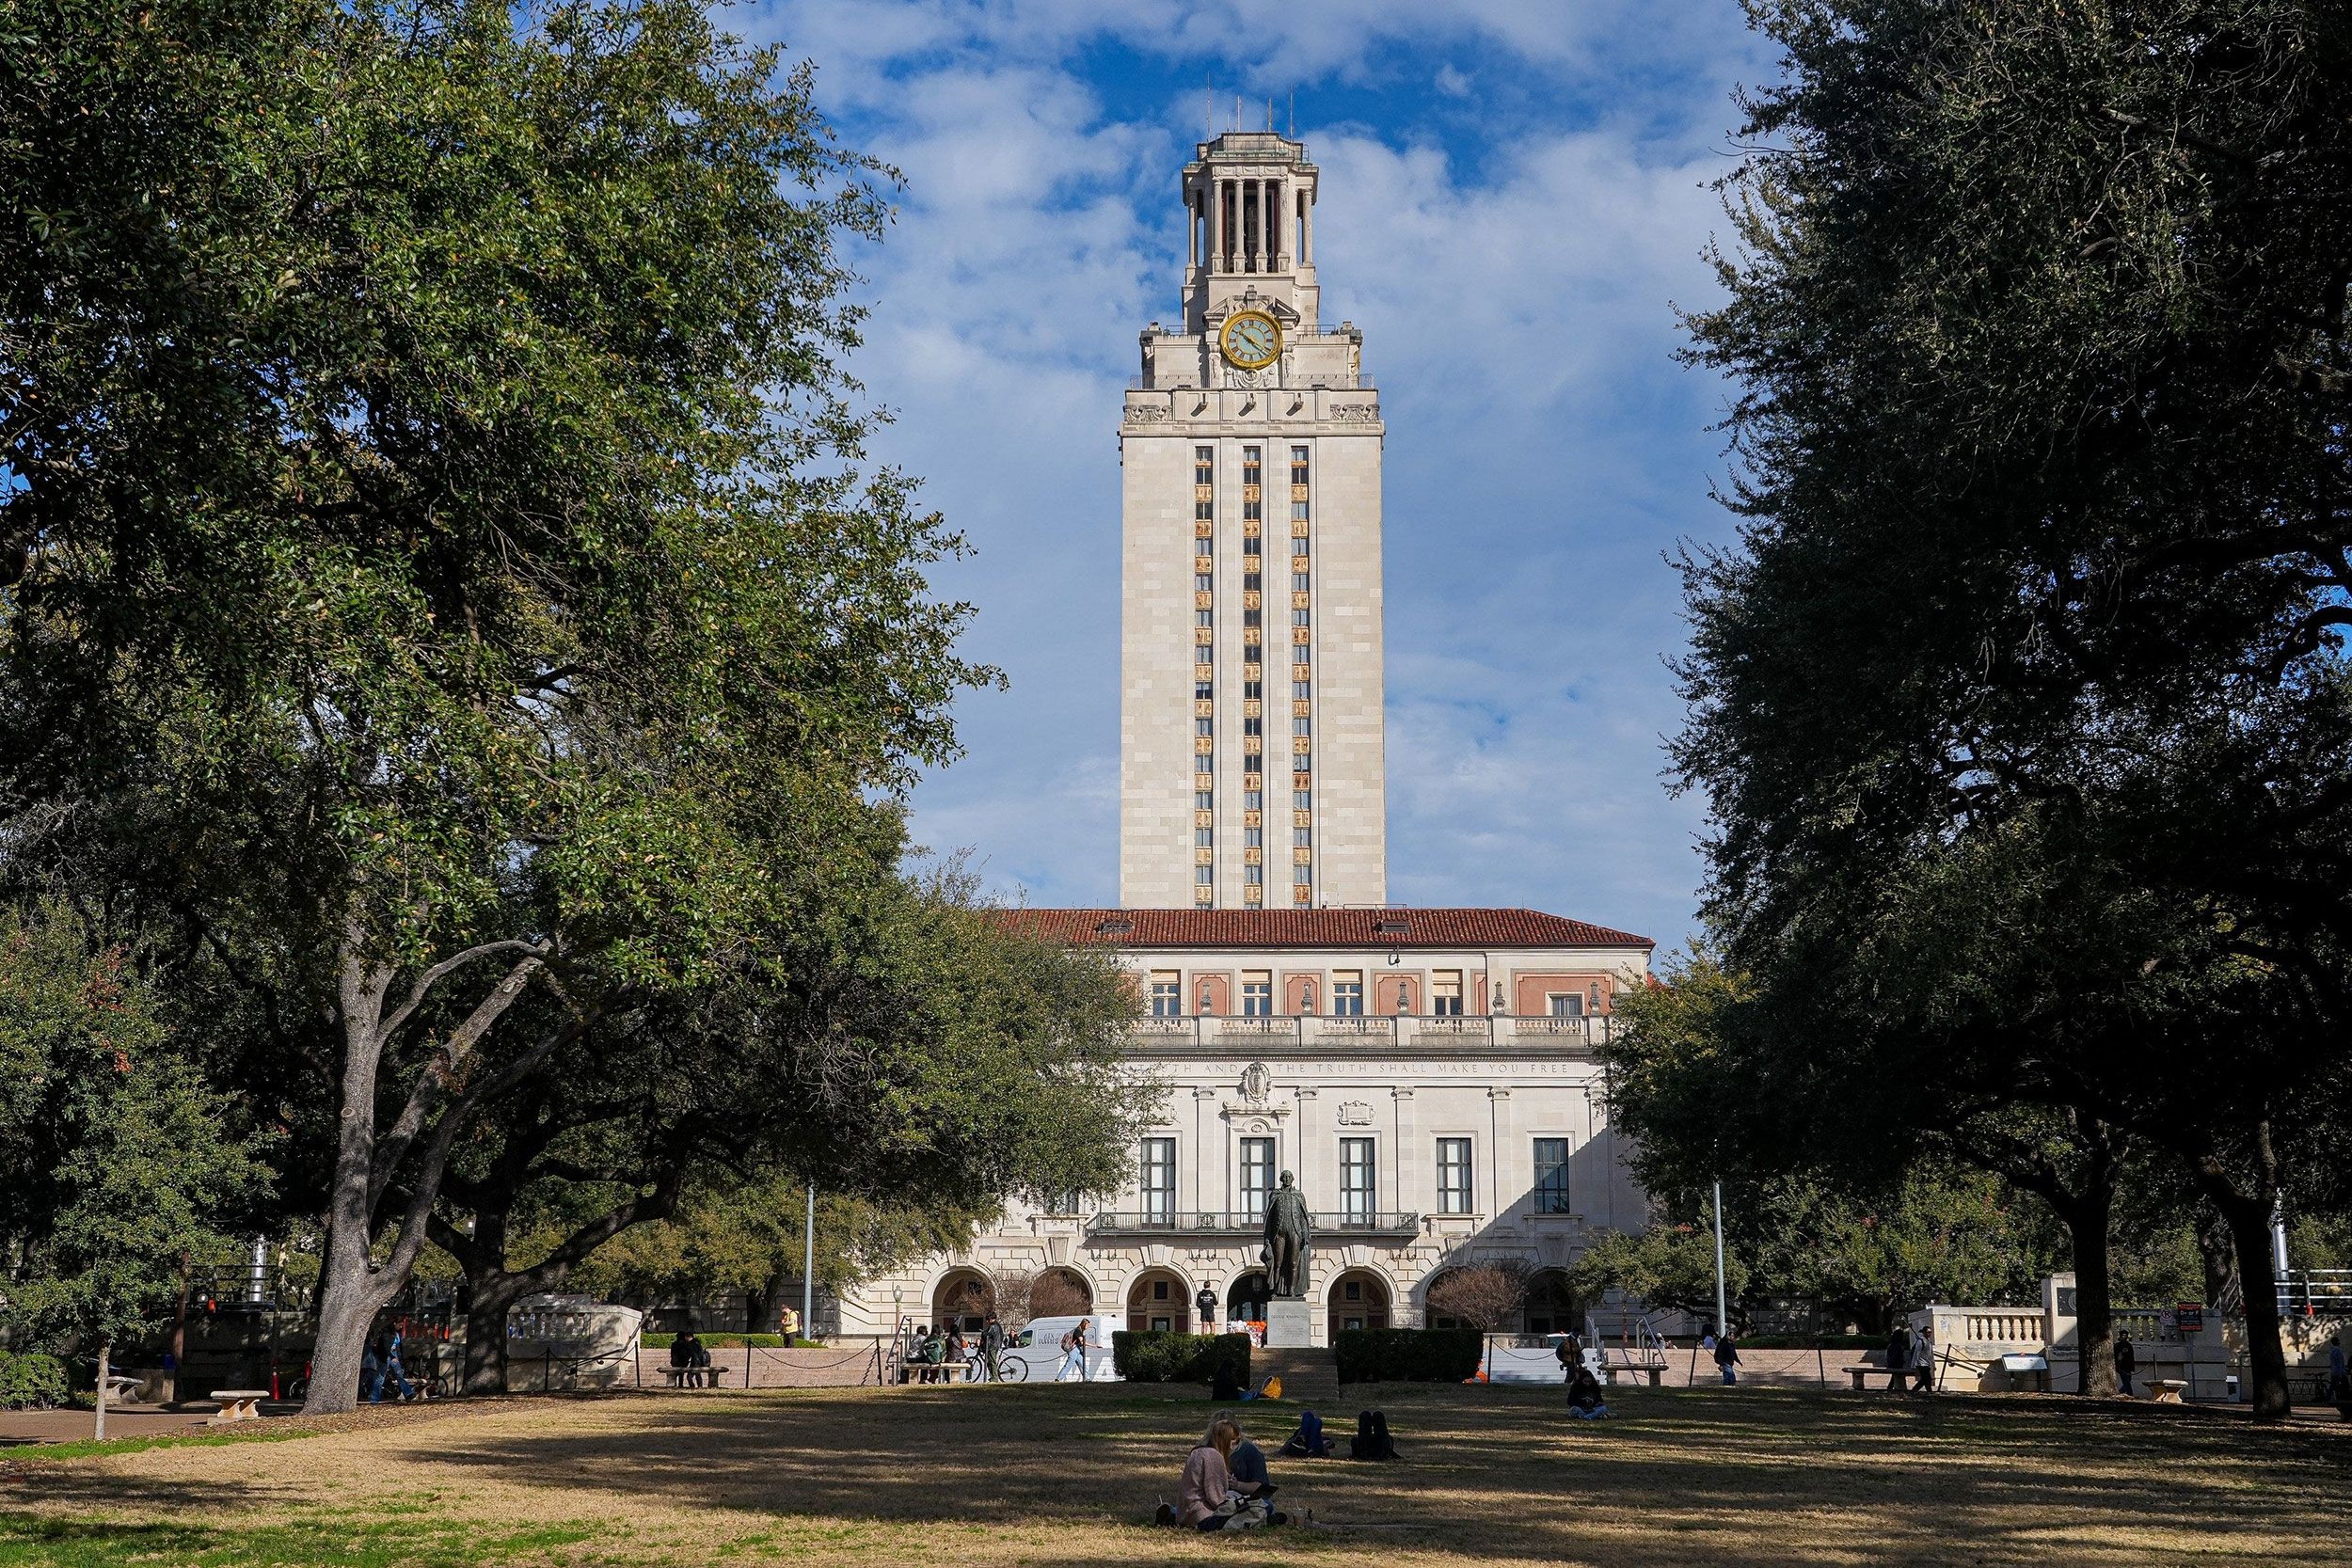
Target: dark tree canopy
[(2022, 704)]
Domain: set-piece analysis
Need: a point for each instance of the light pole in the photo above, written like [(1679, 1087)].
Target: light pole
[(1723, 1322), (808, 1269)]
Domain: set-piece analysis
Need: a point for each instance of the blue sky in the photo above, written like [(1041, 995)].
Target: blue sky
[(1513, 198)]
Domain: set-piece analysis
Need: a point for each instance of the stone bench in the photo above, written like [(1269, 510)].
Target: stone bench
[(1858, 1373), (120, 1388), (2167, 1390), (1621, 1374), (691, 1377), (237, 1404)]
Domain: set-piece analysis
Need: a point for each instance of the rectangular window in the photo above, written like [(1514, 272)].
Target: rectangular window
[(1356, 1181), (1257, 993), (1167, 994), (1159, 1182), (1204, 800), (1552, 1176), (1302, 799), (1445, 993), (1347, 993), (1453, 1176), (1564, 1003), (1203, 875), (1257, 1178), (1253, 875), (1302, 873), (1253, 800), (1302, 838), (1253, 838), (1203, 838)]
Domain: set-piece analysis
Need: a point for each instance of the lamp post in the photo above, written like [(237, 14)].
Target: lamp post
[(808, 1269), (1723, 1322)]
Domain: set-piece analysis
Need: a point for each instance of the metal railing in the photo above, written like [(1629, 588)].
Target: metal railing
[(1379, 1029), (1208, 1222), (2315, 1294)]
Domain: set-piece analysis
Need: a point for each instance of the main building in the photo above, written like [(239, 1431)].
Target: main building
[(1427, 1073)]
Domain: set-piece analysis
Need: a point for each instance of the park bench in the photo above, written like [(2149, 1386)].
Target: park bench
[(2167, 1390), (1623, 1373), (1865, 1371), (691, 1377), (120, 1388), (237, 1404)]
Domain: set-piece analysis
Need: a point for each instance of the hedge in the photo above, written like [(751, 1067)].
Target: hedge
[(31, 1382), (1162, 1355), (1409, 1354), (727, 1341)]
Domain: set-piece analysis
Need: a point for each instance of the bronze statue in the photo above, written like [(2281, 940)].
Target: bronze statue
[(1289, 1236)]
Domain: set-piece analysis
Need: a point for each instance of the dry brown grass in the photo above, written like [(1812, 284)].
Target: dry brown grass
[(1066, 1476)]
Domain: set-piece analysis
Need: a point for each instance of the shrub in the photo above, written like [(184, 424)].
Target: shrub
[(721, 1341), (1408, 1355), (31, 1382), (1160, 1356)]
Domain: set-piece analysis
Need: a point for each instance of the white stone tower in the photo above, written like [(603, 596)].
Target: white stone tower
[(1252, 750)]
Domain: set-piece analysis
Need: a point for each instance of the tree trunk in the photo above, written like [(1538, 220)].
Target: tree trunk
[(349, 1293), (105, 1369), (494, 1290), (2089, 1222), (2266, 1361)]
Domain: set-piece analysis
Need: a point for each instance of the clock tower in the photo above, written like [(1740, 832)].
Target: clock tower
[(1252, 747)]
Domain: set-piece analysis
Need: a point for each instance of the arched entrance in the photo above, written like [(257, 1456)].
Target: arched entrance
[(1059, 1292), (1244, 1302), (1358, 1299), (1553, 1306), (964, 1298), (1159, 1299)]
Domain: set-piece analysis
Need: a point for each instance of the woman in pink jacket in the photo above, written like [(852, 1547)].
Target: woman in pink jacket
[(1201, 1503)]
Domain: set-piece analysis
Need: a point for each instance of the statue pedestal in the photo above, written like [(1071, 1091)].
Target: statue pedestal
[(1289, 1324)]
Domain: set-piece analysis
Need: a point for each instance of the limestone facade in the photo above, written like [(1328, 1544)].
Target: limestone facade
[(1391, 1059), (1251, 737)]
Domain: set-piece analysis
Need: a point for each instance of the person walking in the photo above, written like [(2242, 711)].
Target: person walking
[(1074, 1345), (1899, 1359), (2126, 1363), (1728, 1356), (1206, 1304), (1923, 1362), (394, 1375), (2339, 1384), (992, 1346)]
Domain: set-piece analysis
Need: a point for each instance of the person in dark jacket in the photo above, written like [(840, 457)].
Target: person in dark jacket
[(992, 1346), (1899, 1359), (1205, 1304), (2126, 1363), (1372, 1440), (1585, 1401), (1728, 1356)]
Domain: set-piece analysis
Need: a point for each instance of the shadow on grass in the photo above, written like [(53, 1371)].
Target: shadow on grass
[(1732, 1477)]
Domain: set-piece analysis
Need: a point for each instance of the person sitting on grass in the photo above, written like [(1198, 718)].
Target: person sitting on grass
[(1204, 1498), (1250, 1481), (1307, 1442), (1585, 1402)]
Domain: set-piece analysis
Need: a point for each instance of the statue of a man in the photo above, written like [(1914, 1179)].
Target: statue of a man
[(1289, 1232)]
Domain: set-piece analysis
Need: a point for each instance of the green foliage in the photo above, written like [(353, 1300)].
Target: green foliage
[(1670, 1267), (2022, 705), (29, 1381), (715, 1340), (1162, 1355), (115, 1160), (1408, 1355)]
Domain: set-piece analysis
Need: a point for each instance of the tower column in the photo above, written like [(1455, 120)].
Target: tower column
[(1278, 230), (1259, 257), (1214, 191)]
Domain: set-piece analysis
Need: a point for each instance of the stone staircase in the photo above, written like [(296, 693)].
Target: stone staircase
[(1310, 1379)]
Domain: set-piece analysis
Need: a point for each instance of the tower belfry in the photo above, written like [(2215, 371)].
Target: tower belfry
[(1251, 741)]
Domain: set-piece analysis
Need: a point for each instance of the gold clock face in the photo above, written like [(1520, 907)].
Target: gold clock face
[(1251, 339)]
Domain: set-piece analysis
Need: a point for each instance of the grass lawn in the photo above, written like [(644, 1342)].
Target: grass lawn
[(1067, 1476)]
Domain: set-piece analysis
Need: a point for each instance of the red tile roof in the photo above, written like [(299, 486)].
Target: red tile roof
[(1356, 927)]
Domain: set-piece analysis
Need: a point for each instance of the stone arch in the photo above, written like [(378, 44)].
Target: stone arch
[(1552, 1304), (1158, 1297), (1069, 1278), (1359, 1298), (1246, 1297), (964, 1296)]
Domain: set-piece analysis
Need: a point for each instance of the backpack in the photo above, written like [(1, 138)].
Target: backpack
[(1068, 1340)]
